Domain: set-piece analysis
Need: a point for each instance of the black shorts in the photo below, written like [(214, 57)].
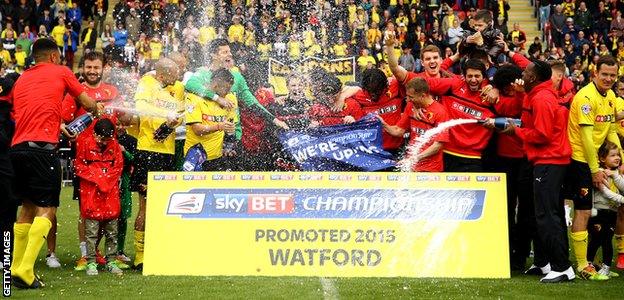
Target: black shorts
[(147, 161), (578, 185), (37, 174)]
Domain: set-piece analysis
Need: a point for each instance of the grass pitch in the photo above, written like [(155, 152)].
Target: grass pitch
[(65, 283)]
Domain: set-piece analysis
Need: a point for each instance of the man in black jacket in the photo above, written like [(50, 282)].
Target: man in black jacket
[(88, 37)]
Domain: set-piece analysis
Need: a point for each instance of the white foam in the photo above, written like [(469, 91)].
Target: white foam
[(411, 157)]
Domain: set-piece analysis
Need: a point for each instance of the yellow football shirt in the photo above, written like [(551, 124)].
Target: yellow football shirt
[(207, 112), (589, 107), (619, 107), (156, 103)]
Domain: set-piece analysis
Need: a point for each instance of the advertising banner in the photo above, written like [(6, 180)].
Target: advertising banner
[(327, 224)]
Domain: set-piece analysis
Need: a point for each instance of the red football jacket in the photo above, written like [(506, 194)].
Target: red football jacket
[(99, 171), (466, 140)]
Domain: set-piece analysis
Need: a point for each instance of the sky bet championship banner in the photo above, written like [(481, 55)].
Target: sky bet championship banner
[(345, 147), (344, 68), (327, 224)]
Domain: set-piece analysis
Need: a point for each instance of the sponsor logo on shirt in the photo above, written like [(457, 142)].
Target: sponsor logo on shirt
[(604, 118), (467, 110)]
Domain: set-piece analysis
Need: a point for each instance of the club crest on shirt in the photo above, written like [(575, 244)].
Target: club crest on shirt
[(586, 108)]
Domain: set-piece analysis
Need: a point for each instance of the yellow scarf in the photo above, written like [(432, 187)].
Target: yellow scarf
[(87, 36)]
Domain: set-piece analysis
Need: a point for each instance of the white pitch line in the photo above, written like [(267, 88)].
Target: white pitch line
[(330, 292)]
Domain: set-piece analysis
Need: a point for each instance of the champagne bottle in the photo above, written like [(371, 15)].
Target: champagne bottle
[(79, 124)]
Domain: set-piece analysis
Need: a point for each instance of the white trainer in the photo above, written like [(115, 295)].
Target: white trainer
[(52, 261), (554, 276)]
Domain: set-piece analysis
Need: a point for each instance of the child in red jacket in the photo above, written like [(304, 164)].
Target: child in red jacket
[(99, 164)]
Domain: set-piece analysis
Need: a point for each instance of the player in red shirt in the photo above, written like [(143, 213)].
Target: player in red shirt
[(430, 156), (37, 97), (320, 112), (380, 95), (431, 61), (92, 68), (462, 99)]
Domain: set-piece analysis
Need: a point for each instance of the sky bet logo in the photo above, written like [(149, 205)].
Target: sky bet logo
[(254, 203)]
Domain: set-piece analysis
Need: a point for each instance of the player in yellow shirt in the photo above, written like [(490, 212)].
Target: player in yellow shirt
[(58, 32), (160, 107), (208, 123), (591, 122)]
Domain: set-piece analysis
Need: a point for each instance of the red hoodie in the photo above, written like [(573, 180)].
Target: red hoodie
[(544, 127), (99, 171)]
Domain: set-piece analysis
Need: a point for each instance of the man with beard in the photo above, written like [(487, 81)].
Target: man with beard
[(92, 68), (462, 99)]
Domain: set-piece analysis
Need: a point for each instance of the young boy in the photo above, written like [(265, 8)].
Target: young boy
[(98, 165), (483, 37), (20, 59)]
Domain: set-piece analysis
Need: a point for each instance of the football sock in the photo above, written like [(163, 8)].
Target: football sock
[(579, 245), (36, 237), (20, 240), (139, 240)]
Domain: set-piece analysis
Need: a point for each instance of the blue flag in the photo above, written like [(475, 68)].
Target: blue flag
[(352, 147)]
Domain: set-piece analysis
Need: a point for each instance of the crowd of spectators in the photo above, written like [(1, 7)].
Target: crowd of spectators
[(579, 32), (140, 32)]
